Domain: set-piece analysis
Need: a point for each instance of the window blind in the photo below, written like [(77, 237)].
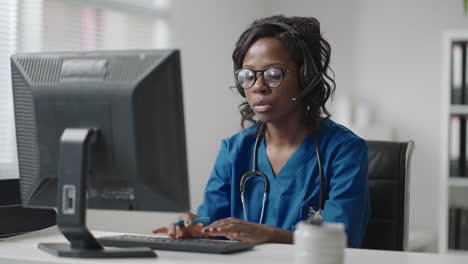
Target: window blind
[(8, 157), (70, 25)]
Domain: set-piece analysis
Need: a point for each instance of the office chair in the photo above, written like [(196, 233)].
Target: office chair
[(389, 169)]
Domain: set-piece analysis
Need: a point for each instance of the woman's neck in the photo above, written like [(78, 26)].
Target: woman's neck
[(287, 133)]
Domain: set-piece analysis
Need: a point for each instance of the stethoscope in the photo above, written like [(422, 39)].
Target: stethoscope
[(314, 216)]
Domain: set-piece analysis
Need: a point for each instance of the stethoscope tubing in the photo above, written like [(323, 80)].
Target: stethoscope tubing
[(255, 171), (246, 177)]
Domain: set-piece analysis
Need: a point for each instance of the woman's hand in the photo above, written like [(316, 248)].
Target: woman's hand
[(237, 229), (188, 230)]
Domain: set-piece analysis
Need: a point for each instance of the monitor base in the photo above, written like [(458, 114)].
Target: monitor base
[(76, 149), (64, 250)]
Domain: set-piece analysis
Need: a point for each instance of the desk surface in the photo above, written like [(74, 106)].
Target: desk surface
[(23, 249)]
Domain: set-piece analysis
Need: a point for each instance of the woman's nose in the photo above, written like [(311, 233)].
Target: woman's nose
[(259, 85)]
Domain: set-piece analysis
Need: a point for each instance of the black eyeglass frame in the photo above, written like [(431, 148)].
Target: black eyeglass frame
[(236, 73)]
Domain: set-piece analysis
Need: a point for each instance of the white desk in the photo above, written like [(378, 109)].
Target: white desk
[(23, 249)]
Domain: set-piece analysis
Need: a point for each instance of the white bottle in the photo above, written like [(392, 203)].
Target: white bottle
[(319, 244)]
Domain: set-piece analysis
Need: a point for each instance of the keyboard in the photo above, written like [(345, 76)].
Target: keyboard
[(163, 243)]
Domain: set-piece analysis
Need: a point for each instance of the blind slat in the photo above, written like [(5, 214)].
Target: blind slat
[(8, 158)]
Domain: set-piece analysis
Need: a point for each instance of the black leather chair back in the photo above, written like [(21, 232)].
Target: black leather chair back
[(389, 164)]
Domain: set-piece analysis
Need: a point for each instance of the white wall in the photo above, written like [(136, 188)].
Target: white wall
[(389, 53)]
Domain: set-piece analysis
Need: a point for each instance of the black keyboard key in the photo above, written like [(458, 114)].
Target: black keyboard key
[(189, 245)]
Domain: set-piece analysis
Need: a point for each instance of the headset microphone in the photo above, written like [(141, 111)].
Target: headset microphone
[(317, 79)]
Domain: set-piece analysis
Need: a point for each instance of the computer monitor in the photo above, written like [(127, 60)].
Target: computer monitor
[(101, 130)]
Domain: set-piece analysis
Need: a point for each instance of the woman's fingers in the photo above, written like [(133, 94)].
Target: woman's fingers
[(231, 228), (184, 232), (187, 218), (237, 229), (187, 230), (196, 230), (223, 228), (172, 231), (180, 231), (161, 230), (222, 223)]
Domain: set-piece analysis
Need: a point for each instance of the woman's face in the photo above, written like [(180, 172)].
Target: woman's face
[(272, 104)]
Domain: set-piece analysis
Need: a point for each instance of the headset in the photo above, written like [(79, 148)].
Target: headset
[(309, 75)]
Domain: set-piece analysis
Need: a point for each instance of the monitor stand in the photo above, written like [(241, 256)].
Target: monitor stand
[(73, 165)]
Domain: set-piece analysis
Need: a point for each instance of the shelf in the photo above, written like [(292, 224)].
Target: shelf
[(420, 239), (459, 109), (453, 190), (458, 252), (458, 182)]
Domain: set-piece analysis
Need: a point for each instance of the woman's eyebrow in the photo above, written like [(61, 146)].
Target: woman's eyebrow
[(276, 63), (269, 65)]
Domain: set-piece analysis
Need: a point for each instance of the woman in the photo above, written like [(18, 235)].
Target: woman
[(281, 69)]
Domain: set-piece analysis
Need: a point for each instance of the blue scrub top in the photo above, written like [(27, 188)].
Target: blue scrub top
[(296, 186)]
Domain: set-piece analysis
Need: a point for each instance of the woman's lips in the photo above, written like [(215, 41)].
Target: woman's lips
[(259, 108)]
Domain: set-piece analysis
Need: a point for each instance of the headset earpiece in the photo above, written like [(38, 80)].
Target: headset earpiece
[(310, 76)]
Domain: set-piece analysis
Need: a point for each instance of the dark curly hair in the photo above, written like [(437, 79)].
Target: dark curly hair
[(308, 29)]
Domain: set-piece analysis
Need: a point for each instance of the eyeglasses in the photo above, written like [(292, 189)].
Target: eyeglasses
[(272, 77)]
